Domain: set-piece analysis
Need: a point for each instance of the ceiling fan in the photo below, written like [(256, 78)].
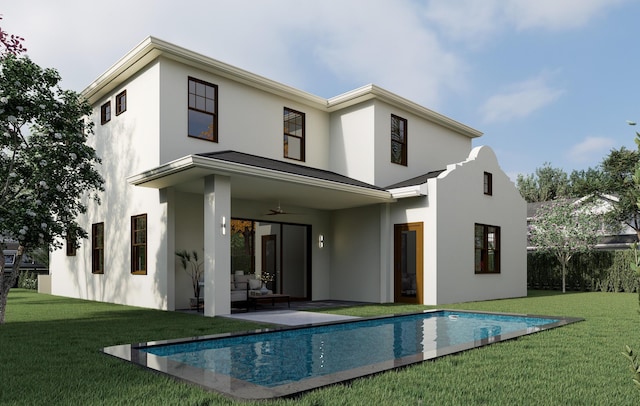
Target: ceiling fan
[(278, 210)]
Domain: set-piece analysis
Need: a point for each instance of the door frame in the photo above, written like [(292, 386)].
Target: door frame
[(398, 229)]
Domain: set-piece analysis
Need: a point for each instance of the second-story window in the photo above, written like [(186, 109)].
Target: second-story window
[(203, 110), (398, 140), (488, 183), (293, 134), (105, 113), (121, 102)]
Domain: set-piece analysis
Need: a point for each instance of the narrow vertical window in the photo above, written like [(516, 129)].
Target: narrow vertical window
[(203, 110), (293, 134), (121, 102), (488, 183), (139, 244), (105, 113), (487, 249), (398, 140), (97, 248), (70, 243)]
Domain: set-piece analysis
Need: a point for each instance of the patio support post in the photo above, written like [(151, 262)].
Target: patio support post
[(217, 245)]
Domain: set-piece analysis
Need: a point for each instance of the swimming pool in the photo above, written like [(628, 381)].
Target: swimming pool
[(284, 361)]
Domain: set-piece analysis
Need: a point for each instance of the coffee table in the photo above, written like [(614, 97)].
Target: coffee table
[(254, 299)]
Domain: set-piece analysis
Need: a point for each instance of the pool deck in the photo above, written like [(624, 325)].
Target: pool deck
[(290, 317)]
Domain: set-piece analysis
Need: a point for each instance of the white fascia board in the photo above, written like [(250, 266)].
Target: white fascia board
[(409, 191), (229, 168), (151, 48)]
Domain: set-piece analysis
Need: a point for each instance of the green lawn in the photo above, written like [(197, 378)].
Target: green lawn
[(49, 354)]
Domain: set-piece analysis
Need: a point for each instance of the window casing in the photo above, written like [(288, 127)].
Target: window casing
[(139, 244), (97, 248), (121, 102), (294, 134), (487, 249), (105, 112), (488, 183), (203, 110), (398, 140)]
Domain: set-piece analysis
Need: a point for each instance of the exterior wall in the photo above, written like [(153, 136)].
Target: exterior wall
[(460, 203), (128, 144), (249, 120), (361, 144), (430, 147), (352, 147), (355, 254)]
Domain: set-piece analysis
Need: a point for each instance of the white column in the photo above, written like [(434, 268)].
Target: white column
[(386, 255), (217, 245), (168, 246)]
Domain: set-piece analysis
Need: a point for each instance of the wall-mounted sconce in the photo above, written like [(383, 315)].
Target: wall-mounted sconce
[(321, 241), (223, 225)]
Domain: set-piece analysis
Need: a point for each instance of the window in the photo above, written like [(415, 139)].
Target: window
[(487, 249), (121, 102), (488, 183), (97, 248), (105, 113), (293, 134), (70, 244), (398, 140), (203, 110), (139, 244)]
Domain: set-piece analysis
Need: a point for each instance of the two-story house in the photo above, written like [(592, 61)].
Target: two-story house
[(366, 196)]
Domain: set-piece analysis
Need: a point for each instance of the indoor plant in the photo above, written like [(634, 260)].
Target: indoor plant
[(194, 268)]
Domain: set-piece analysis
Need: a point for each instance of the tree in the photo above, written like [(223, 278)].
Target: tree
[(548, 183), (11, 43), (564, 227), (47, 171), (619, 169)]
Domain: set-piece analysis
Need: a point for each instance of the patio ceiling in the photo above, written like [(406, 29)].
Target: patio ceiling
[(262, 179)]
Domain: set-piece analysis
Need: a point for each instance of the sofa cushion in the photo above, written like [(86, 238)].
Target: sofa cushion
[(242, 281), (255, 283)]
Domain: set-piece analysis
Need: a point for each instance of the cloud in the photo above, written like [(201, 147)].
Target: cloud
[(520, 100), (590, 149), (475, 22)]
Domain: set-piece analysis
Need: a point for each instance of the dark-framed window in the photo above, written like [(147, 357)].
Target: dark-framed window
[(398, 140), (105, 112), (70, 243), (488, 183), (487, 249), (97, 248), (203, 110), (139, 244), (294, 134), (121, 102)]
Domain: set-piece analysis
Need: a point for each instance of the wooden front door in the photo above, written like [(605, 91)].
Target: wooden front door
[(408, 263)]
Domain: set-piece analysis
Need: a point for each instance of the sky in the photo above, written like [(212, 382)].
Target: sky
[(546, 81)]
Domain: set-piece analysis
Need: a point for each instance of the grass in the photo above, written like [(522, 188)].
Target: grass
[(49, 354)]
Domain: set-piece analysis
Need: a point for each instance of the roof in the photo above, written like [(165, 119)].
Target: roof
[(287, 167), (264, 179), (151, 48), (418, 180)]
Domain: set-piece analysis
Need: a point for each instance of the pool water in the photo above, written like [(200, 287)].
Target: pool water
[(287, 356), (272, 363)]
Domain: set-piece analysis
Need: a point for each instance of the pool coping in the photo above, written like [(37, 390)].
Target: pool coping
[(243, 390)]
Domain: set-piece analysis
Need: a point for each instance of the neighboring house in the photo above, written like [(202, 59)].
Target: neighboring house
[(28, 263), (608, 239), (366, 196)]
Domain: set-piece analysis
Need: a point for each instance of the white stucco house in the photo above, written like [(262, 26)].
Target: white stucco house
[(365, 196)]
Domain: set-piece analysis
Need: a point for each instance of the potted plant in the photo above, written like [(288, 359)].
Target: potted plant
[(265, 277), (194, 268)]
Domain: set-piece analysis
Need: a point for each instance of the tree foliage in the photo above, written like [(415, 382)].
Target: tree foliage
[(11, 43), (564, 227), (47, 171), (619, 169)]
